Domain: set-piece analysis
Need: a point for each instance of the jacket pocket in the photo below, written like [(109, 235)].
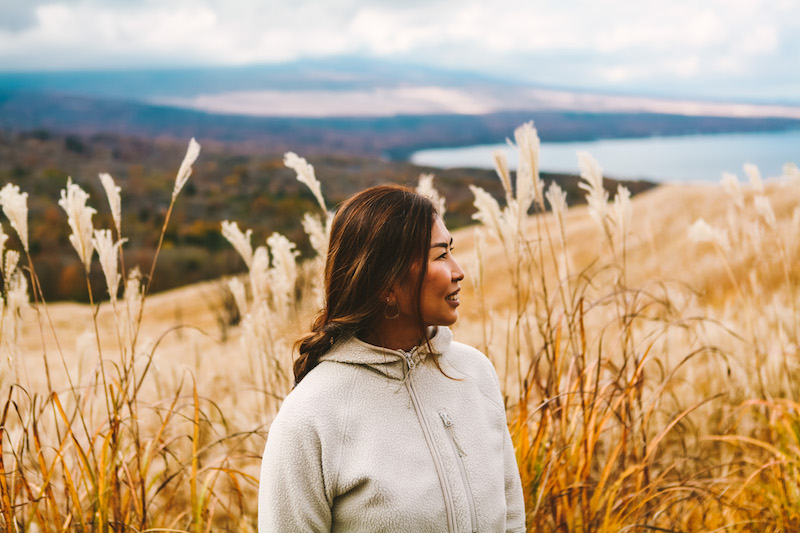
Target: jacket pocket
[(459, 454)]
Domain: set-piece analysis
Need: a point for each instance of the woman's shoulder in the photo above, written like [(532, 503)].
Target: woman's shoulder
[(462, 355), (473, 364), (317, 395)]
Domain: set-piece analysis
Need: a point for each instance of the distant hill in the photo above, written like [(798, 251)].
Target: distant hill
[(394, 137), (254, 189), (337, 74)]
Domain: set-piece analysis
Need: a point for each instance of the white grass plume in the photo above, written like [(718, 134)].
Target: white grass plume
[(501, 167), (305, 175), (730, 183), (623, 211), (240, 241), (426, 189), (754, 175), (701, 231), (15, 207), (557, 200), (764, 208), (596, 195), (108, 251), (259, 274), (283, 274), (317, 233), (133, 297), (16, 300), (488, 213), (114, 200), (192, 153), (239, 295), (10, 262), (529, 186), (79, 217)]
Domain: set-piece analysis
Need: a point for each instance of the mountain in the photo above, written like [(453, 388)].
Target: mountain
[(393, 137)]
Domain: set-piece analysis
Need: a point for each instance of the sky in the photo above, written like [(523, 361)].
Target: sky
[(719, 49)]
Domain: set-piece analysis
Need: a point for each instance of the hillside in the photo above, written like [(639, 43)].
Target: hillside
[(229, 183), (686, 333), (660, 251)]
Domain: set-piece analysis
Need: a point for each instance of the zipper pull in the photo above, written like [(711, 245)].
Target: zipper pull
[(446, 419), (448, 425)]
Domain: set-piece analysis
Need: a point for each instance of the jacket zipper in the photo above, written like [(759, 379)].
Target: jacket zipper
[(449, 507), (459, 453)]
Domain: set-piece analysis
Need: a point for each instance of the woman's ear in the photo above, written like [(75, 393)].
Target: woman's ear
[(389, 295)]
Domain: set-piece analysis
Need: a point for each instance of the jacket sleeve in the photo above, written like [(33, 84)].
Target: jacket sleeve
[(291, 493), (515, 502)]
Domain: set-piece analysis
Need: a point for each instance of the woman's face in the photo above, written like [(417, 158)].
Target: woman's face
[(440, 288)]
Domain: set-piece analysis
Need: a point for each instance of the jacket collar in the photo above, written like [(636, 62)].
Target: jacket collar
[(391, 363)]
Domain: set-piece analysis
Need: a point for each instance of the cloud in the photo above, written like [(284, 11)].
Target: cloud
[(613, 43), (18, 16)]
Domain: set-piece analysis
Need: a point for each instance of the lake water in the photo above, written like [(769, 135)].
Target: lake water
[(690, 158)]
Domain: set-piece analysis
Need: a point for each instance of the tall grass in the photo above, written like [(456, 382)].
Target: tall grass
[(640, 403), (640, 396), (103, 449)]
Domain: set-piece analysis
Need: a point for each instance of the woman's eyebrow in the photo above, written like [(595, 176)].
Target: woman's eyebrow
[(442, 244)]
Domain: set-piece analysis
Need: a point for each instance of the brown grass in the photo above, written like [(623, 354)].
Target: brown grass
[(649, 381)]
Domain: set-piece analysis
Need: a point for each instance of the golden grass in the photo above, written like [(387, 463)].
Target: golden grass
[(650, 380)]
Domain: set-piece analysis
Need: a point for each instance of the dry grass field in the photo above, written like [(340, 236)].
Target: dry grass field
[(649, 362)]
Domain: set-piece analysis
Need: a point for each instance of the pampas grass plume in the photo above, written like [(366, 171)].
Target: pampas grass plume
[(240, 241), (305, 175), (239, 295), (623, 210), (283, 274), (114, 200), (596, 195), (108, 251), (557, 200), (529, 186), (317, 234), (192, 152), (15, 207), (488, 212), (16, 300), (754, 175), (259, 274), (730, 183), (764, 208), (133, 296), (426, 188), (701, 231), (79, 216), (501, 167), (10, 263)]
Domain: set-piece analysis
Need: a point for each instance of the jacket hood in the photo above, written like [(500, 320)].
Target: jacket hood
[(391, 363)]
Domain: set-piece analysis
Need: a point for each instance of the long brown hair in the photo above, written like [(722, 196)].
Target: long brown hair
[(380, 237)]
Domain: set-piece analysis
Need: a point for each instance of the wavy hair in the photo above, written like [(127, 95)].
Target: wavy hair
[(380, 237)]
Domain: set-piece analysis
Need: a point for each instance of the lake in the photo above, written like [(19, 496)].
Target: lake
[(689, 158)]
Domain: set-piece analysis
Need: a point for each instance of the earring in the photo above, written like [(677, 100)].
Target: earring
[(386, 310)]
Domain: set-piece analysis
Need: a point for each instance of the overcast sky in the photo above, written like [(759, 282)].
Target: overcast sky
[(708, 48)]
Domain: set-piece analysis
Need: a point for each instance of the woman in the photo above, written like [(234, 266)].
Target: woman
[(392, 425)]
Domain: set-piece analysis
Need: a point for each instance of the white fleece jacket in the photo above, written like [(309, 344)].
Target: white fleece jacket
[(372, 441)]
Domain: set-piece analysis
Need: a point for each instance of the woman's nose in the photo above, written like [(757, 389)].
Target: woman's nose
[(457, 273)]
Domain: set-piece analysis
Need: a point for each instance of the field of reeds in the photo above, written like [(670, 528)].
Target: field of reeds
[(647, 349)]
